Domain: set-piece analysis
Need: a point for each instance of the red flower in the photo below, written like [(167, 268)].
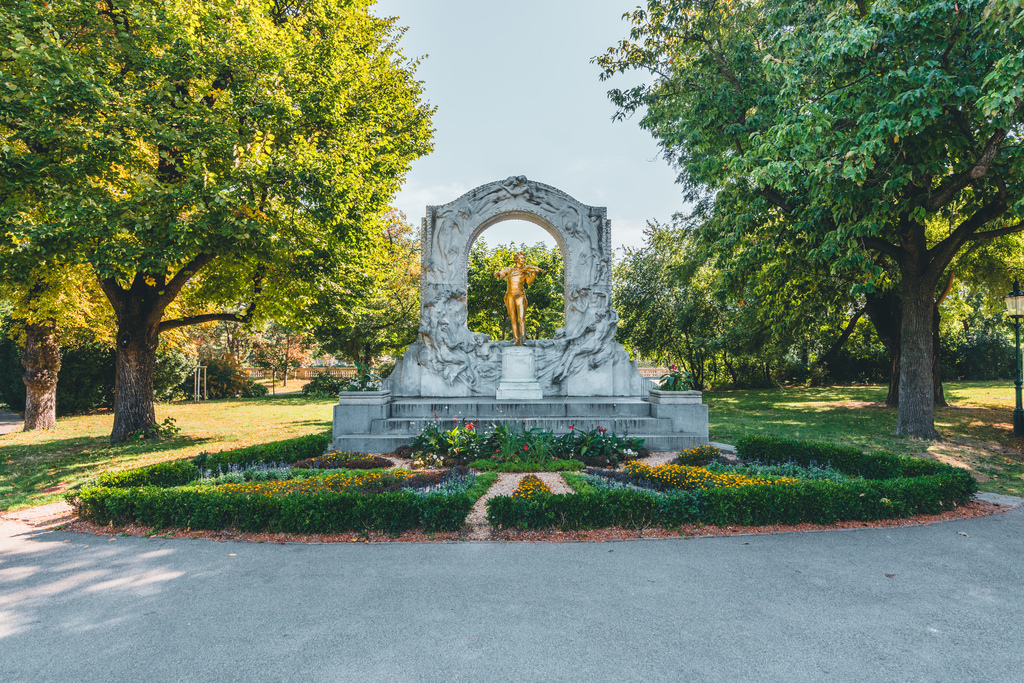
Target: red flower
[(469, 425), (525, 447), (601, 430), (572, 426)]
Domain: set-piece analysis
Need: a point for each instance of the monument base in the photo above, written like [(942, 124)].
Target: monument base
[(518, 375)]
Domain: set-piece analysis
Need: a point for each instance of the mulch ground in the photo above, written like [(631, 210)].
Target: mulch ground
[(688, 531)]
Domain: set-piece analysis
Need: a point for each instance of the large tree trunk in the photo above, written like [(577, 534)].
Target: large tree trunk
[(916, 413), (137, 341), (42, 363)]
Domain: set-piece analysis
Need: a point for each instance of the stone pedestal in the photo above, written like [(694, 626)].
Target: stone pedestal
[(685, 409), (518, 375)]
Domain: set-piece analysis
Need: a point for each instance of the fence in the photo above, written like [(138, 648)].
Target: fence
[(300, 373)]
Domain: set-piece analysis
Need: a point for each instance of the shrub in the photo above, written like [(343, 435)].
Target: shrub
[(206, 507), (698, 456), (345, 460), (527, 466), (225, 379), (324, 385), (846, 459), (173, 473), (891, 486), (287, 451)]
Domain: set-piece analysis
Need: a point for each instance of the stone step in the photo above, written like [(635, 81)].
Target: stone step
[(484, 408), (618, 425), (375, 443)]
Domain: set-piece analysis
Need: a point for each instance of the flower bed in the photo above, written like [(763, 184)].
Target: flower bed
[(537, 449), (259, 498), (872, 486)]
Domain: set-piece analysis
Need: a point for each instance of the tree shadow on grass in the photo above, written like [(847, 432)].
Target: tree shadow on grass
[(40, 473)]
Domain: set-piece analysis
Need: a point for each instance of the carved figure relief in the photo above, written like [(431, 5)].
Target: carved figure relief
[(450, 358)]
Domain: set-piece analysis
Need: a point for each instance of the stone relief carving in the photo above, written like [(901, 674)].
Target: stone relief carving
[(450, 360)]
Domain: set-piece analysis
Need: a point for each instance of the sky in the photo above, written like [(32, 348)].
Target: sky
[(516, 94)]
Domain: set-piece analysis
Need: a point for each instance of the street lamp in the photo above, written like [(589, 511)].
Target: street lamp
[(1015, 307)]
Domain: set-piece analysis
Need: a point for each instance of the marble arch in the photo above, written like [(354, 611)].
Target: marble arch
[(583, 359)]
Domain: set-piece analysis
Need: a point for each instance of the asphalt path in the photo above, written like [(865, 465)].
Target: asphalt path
[(935, 603)]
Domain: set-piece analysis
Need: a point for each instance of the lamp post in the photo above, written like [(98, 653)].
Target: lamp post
[(1015, 307)]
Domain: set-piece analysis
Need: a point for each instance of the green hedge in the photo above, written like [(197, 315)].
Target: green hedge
[(287, 451), (206, 508), (846, 459), (893, 486), (173, 473), (514, 466)]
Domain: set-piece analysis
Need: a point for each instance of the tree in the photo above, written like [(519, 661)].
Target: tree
[(486, 297), (278, 348), (51, 308), (878, 135), (200, 153), (370, 307)]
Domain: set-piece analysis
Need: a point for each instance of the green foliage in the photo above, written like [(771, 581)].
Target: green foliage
[(331, 512), (527, 465), (675, 380), (436, 447), (486, 297), (287, 451), (172, 370), (219, 156), (847, 459), (225, 379), (163, 474), (888, 486), (366, 379), (139, 500), (370, 306), (324, 385), (873, 142)]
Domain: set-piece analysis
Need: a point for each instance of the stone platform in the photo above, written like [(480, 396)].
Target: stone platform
[(374, 422)]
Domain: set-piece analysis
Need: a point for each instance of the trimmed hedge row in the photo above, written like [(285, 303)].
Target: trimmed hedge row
[(287, 451), (173, 473), (196, 508), (846, 459), (897, 487)]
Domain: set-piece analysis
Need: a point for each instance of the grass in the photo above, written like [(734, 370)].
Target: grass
[(37, 467), (977, 427)]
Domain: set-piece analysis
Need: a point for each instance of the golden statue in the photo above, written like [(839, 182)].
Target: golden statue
[(518, 276)]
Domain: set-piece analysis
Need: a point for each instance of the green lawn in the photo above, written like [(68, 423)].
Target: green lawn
[(977, 426), (36, 468)]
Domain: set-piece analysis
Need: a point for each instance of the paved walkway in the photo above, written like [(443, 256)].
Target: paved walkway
[(936, 603), (9, 422)]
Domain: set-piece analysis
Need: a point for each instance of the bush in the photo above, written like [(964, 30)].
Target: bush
[(225, 379), (287, 451), (324, 385), (892, 486), (173, 370), (527, 466), (345, 460), (165, 474), (329, 512), (846, 459)]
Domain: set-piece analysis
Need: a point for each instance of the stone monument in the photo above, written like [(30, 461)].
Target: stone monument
[(581, 378)]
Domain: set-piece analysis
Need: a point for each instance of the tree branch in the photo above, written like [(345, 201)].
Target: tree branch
[(942, 253), (989, 234), (181, 278), (776, 198), (206, 318), (824, 360), (979, 170), (884, 247)]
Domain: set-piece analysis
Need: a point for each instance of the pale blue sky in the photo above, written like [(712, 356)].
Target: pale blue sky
[(516, 94)]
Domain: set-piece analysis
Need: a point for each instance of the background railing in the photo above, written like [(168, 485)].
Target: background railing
[(299, 373)]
